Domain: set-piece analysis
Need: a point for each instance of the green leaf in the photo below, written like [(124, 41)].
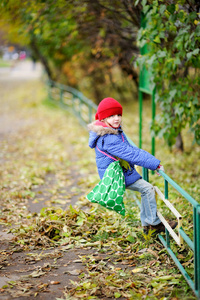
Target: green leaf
[(171, 8), (164, 278), (117, 295), (162, 8), (136, 2), (130, 238), (144, 2), (196, 51), (172, 93), (161, 53), (157, 39), (73, 210), (80, 221)]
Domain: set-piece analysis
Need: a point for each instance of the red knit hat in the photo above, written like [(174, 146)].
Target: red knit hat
[(108, 107)]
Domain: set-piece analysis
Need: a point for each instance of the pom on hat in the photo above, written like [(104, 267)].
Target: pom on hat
[(108, 107)]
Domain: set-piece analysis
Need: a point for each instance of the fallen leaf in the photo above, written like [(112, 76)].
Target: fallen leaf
[(137, 270), (75, 272), (54, 282), (153, 252), (37, 273)]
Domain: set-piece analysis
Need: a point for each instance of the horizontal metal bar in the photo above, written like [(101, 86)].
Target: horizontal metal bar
[(143, 90), (179, 189)]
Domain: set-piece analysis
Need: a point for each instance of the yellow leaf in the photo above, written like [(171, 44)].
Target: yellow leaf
[(137, 270)]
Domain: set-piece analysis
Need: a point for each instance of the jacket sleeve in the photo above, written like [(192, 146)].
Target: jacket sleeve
[(114, 145)]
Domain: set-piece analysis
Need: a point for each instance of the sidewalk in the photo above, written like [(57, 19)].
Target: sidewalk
[(21, 70)]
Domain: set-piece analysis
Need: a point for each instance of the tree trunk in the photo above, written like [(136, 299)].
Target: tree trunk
[(41, 57), (179, 143)]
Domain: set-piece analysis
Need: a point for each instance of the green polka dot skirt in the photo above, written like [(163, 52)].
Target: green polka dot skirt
[(110, 190)]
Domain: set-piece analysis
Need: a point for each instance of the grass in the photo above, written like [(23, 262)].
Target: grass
[(5, 64)]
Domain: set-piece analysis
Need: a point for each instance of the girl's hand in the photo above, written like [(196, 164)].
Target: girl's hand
[(160, 168)]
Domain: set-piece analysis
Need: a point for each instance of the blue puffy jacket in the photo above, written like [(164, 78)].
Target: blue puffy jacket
[(113, 142)]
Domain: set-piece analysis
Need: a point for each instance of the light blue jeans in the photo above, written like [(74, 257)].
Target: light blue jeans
[(148, 210)]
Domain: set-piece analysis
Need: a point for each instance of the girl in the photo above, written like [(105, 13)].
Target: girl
[(108, 140)]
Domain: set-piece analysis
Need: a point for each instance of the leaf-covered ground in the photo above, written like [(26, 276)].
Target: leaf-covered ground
[(56, 245)]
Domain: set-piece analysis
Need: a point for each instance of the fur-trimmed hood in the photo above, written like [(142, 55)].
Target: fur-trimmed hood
[(98, 129), (101, 128)]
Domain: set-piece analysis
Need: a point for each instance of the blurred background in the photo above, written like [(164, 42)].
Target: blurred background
[(96, 48)]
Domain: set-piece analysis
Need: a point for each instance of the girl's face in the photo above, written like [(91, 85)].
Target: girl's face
[(113, 121)]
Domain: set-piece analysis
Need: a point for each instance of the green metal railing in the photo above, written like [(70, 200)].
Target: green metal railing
[(194, 245), (74, 101)]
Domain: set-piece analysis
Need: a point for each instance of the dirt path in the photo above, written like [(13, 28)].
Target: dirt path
[(42, 164), (40, 274)]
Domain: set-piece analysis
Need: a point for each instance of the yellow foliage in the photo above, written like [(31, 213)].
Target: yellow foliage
[(68, 70), (11, 33)]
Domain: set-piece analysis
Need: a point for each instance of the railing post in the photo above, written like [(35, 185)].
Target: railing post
[(140, 119), (61, 96), (166, 231), (145, 174), (153, 107), (166, 189), (196, 216)]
